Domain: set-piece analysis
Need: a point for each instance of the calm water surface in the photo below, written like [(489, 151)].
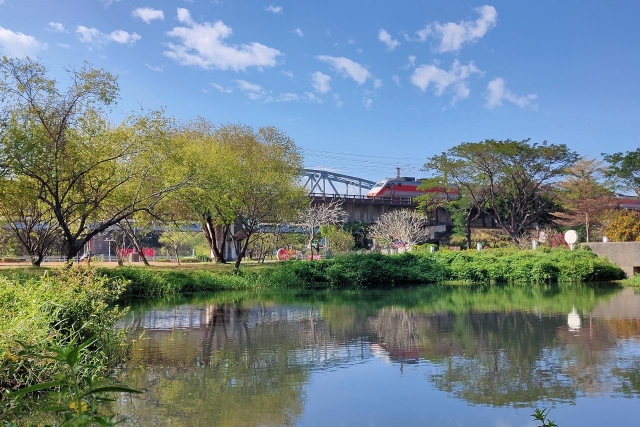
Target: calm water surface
[(459, 356)]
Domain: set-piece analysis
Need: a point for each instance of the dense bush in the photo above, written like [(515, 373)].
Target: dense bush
[(489, 266), (50, 310), (377, 270)]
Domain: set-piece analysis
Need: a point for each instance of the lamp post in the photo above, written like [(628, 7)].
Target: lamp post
[(109, 246)]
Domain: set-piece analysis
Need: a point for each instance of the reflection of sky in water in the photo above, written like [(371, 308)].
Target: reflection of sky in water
[(358, 364)]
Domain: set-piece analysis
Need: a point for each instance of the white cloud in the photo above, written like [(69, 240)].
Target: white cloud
[(108, 3), (274, 9), (148, 14), (396, 79), (288, 73), (19, 44), (96, 38), (203, 45), (455, 79), (337, 100), (497, 92), (64, 46), (377, 83), (347, 68), (321, 82), (245, 86), (123, 37), (56, 27), (288, 97), (386, 38), (157, 69), (367, 102), (412, 61), (453, 35), (298, 31), (220, 88)]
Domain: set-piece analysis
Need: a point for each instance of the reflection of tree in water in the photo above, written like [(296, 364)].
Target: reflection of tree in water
[(233, 369), (229, 365), (508, 358), (220, 363)]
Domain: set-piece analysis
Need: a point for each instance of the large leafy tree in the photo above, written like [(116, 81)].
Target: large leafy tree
[(90, 173), (583, 195), (515, 176), (462, 191), (624, 168), (244, 178)]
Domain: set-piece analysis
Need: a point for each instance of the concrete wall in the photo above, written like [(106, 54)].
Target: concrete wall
[(625, 255)]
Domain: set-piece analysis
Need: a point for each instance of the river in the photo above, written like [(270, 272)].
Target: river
[(436, 355)]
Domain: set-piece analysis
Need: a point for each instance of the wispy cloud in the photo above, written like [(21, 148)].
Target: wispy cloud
[(19, 44), (148, 14), (95, 38), (220, 88), (157, 69), (367, 103), (274, 9), (288, 97), (498, 92), (452, 36), (298, 31), (203, 45), (454, 80), (108, 3), (321, 82), (56, 27), (386, 38), (287, 73), (347, 68)]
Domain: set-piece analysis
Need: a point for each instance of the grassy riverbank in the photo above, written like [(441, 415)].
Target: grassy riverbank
[(380, 271)]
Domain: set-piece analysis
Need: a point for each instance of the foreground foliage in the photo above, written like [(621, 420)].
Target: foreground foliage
[(54, 310)]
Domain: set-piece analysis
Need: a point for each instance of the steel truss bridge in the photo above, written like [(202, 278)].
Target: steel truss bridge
[(316, 181)]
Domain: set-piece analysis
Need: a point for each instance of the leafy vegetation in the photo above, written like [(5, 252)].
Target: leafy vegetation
[(54, 310)]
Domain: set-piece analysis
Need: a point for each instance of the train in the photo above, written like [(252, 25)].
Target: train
[(406, 186)]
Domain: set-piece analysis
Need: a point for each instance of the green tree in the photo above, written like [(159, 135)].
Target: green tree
[(515, 175), (459, 190), (32, 222), (338, 239), (625, 169), (90, 173), (583, 196)]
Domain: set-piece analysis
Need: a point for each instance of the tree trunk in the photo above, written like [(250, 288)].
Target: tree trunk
[(175, 250), (209, 230), (586, 223), (130, 233)]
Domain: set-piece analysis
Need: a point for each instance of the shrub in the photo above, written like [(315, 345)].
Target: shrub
[(50, 310)]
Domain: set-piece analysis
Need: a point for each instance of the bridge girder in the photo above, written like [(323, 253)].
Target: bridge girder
[(316, 182)]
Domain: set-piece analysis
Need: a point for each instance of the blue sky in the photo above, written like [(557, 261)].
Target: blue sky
[(361, 86)]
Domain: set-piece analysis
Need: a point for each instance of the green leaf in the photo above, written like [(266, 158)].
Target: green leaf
[(110, 389), (37, 387)]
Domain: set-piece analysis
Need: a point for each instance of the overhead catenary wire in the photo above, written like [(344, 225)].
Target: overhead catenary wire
[(373, 166)]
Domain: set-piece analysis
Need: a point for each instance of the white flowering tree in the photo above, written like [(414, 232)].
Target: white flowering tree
[(316, 216), (403, 225)]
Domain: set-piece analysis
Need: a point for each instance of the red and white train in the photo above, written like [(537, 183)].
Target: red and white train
[(406, 186)]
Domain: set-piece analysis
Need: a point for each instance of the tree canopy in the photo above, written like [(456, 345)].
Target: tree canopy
[(61, 144), (514, 175)]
